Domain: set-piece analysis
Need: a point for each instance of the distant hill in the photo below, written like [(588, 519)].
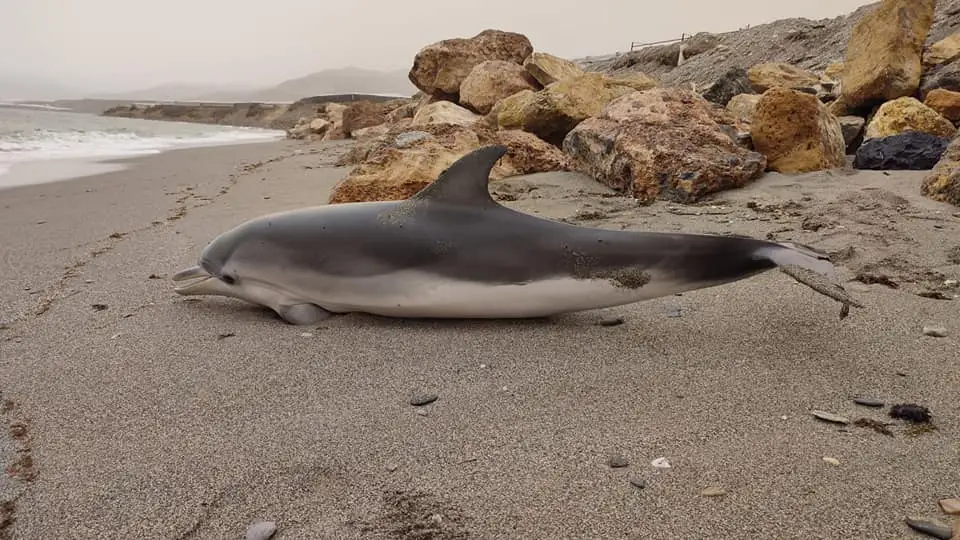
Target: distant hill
[(18, 87), (349, 80), (174, 92)]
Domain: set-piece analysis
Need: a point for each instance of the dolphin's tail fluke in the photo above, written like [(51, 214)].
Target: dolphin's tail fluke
[(811, 268)]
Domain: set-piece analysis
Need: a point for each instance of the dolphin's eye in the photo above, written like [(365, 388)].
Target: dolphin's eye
[(229, 280)]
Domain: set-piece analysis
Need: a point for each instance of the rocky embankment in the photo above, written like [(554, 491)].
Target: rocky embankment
[(262, 115), (887, 97)]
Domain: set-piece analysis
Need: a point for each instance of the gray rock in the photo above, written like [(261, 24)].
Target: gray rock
[(935, 331), (830, 417), (423, 398), (261, 530), (733, 82), (618, 462), (638, 482), (932, 527), (868, 402), (946, 76), (852, 127)]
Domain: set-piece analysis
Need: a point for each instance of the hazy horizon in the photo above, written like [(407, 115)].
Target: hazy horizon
[(108, 46)]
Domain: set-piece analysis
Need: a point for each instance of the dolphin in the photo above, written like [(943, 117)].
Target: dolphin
[(452, 251)]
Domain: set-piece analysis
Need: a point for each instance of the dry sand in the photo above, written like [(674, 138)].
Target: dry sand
[(164, 418)]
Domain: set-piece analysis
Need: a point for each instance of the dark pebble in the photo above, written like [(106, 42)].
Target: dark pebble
[(868, 402), (912, 412), (931, 527), (638, 483), (99, 307), (418, 400), (611, 321), (618, 461)]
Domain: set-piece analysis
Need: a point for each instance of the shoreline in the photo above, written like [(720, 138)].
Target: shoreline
[(64, 169), (148, 415)]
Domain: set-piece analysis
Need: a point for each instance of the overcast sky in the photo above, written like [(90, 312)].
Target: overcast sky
[(125, 44)]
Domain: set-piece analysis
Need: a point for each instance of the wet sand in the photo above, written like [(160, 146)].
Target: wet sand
[(146, 415)]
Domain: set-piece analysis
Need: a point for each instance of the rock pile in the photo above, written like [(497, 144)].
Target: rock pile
[(892, 103)]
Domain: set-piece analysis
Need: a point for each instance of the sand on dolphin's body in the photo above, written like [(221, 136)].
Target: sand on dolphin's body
[(155, 416)]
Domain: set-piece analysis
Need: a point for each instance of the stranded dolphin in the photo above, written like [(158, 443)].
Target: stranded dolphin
[(451, 251)]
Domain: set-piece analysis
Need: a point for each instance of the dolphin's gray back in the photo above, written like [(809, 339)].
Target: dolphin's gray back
[(492, 244)]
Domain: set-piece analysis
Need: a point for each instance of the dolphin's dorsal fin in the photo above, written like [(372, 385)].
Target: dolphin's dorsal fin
[(466, 180)]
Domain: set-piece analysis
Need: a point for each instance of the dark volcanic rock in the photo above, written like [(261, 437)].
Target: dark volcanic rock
[(911, 150), (732, 82)]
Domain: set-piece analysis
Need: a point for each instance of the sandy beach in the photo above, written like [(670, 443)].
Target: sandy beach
[(136, 413)]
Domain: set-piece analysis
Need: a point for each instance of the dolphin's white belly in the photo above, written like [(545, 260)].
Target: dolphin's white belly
[(417, 294)]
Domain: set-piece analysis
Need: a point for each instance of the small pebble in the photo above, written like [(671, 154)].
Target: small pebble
[(261, 530), (868, 402), (617, 461), (421, 399), (422, 412), (99, 307), (661, 463), (830, 417), (950, 506), (930, 526), (306, 334), (611, 321), (638, 482), (714, 492), (935, 331), (392, 467), (832, 461)]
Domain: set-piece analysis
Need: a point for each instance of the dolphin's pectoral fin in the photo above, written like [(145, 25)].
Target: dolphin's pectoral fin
[(301, 314)]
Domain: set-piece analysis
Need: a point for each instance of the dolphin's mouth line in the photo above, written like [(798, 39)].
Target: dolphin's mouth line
[(196, 277), (191, 273)]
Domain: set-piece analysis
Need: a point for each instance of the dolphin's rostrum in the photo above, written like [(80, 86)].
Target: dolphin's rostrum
[(451, 251)]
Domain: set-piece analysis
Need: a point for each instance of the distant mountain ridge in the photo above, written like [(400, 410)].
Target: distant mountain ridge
[(348, 80)]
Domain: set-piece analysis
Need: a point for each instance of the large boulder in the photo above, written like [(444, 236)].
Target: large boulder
[(943, 182), (943, 51), (883, 55), (663, 143), (364, 114), (946, 102), (734, 82), (403, 161), (444, 112), (548, 69), (911, 150), (907, 114), (440, 68), (796, 132), (778, 74), (552, 112), (493, 80)]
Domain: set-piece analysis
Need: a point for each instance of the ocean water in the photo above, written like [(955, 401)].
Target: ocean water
[(38, 134)]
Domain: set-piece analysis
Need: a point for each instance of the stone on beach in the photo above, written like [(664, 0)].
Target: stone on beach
[(493, 80), (883, 55), (440, 68), (548, 69), (907, 114), (662, 143), (796, 132)]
